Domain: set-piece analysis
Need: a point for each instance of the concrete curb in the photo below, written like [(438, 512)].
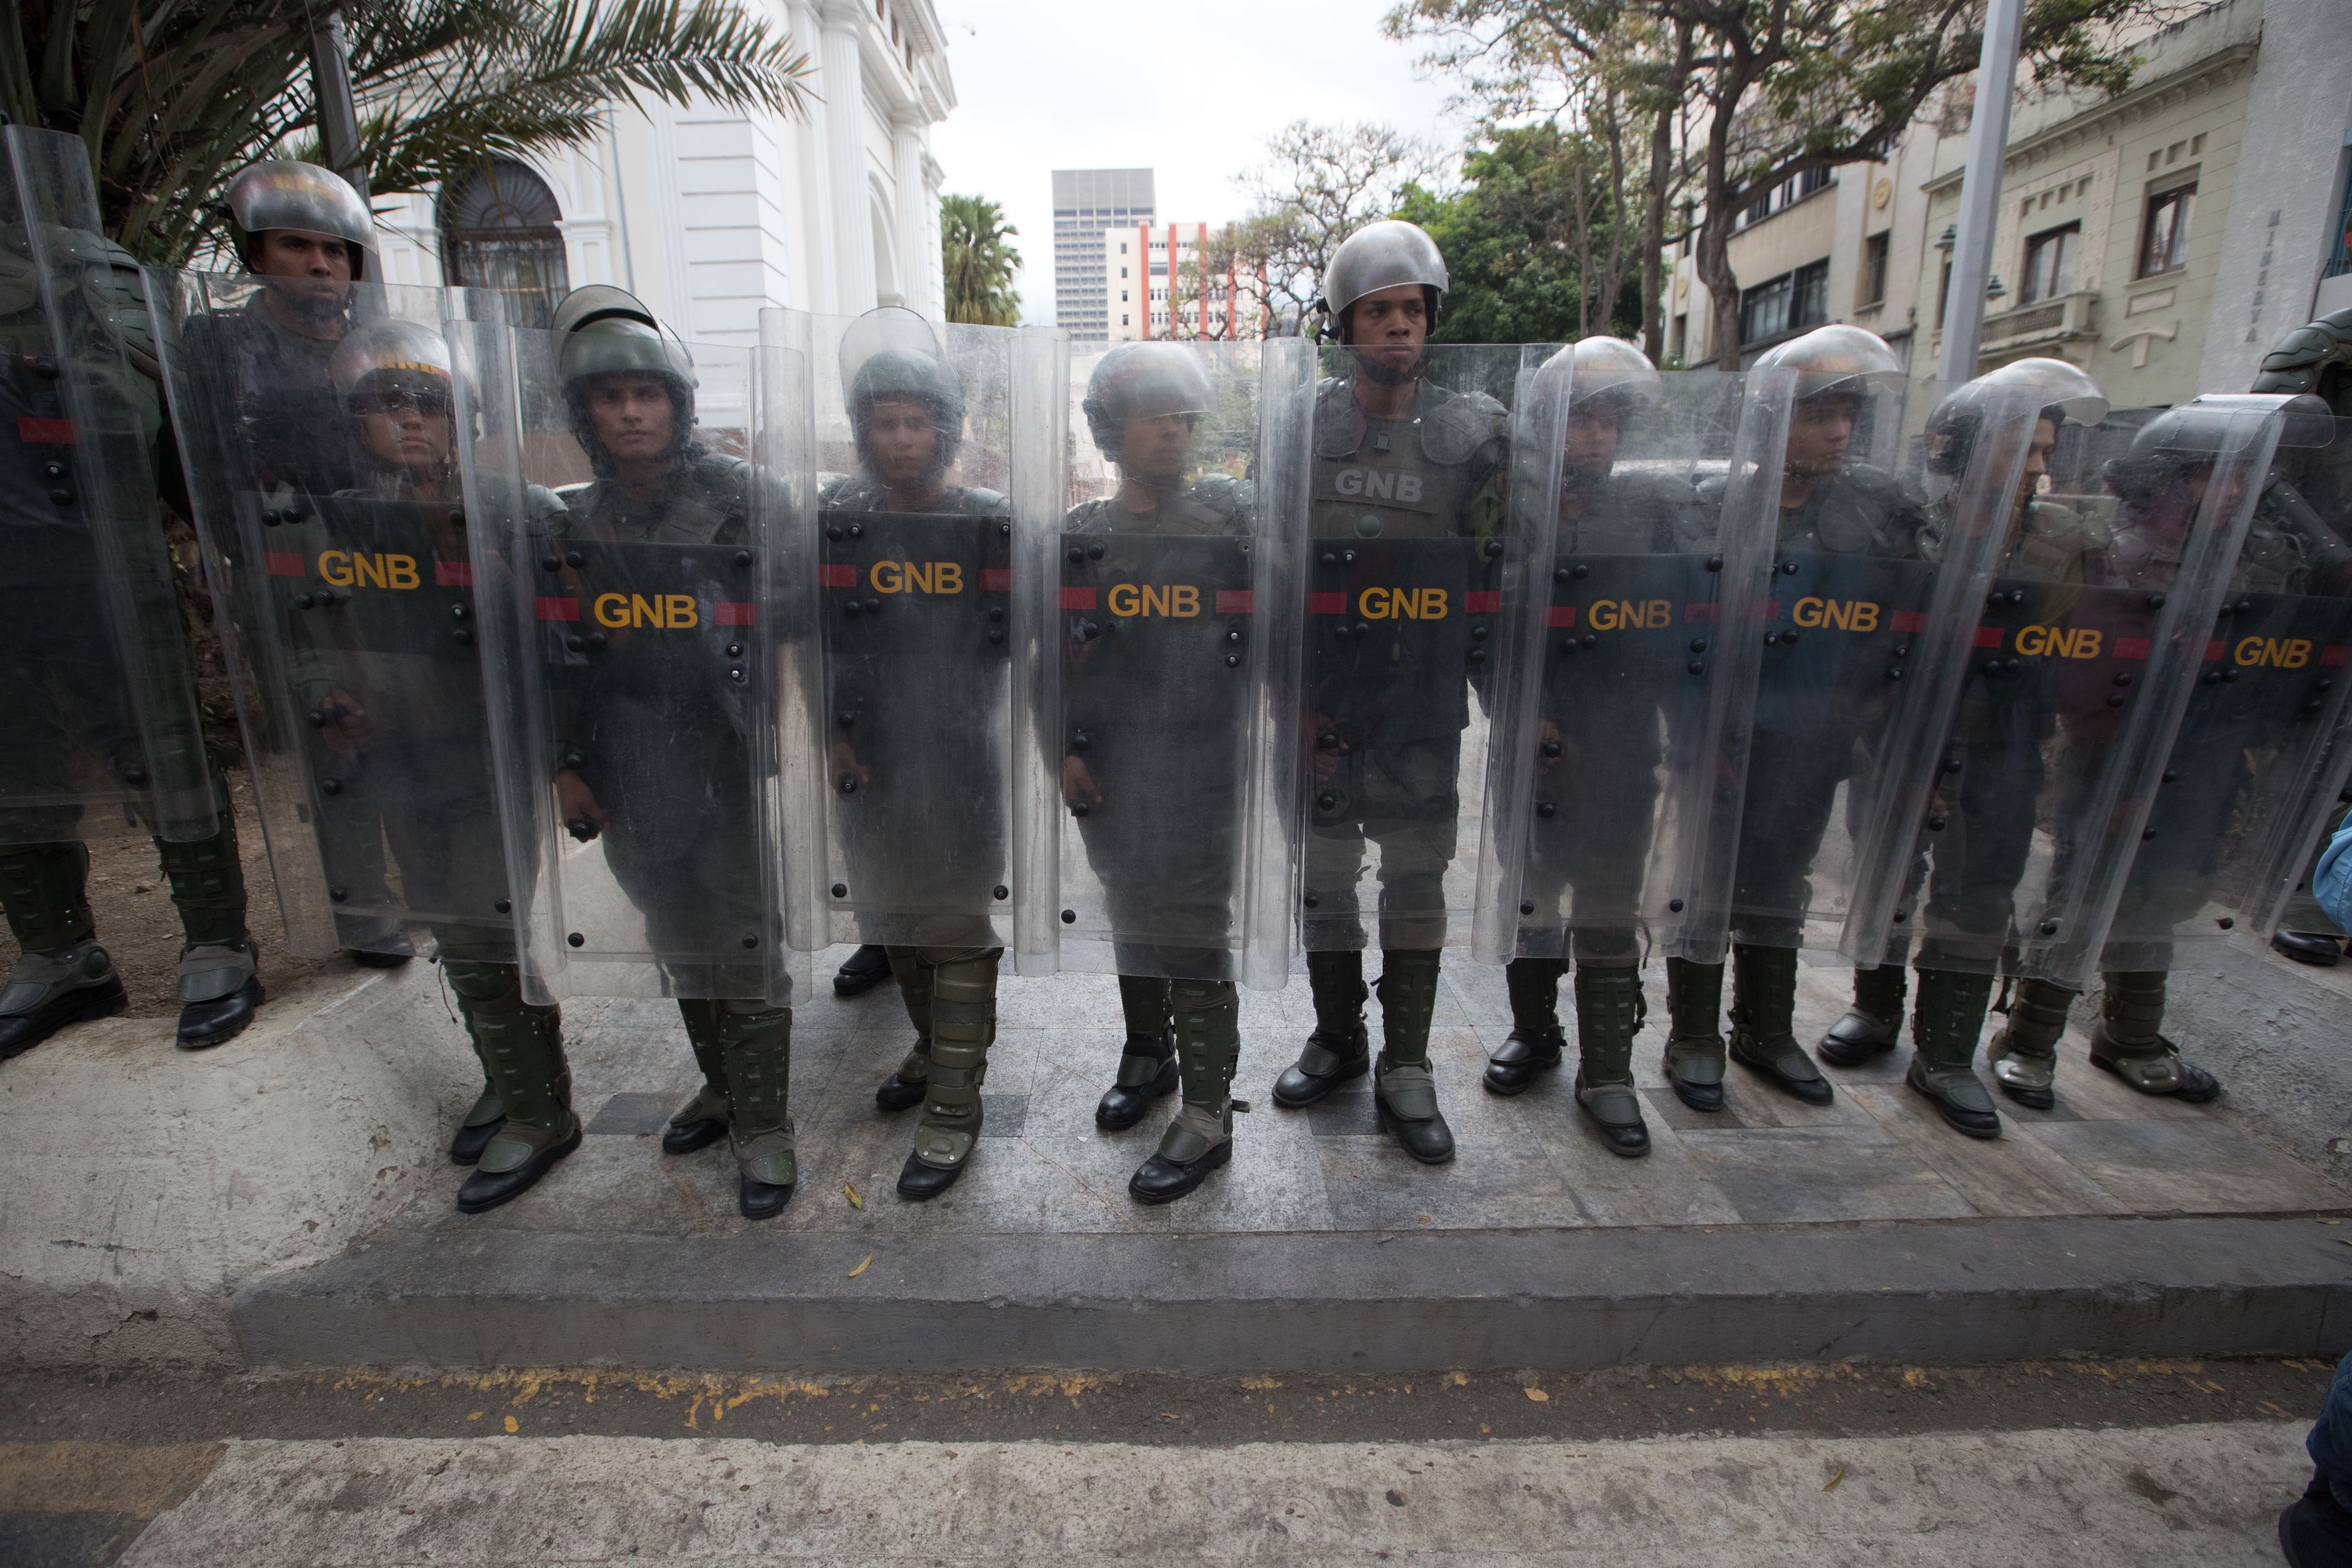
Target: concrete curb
[(1953, 1291)]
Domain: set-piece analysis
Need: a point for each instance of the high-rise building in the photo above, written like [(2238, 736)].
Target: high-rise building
[(1086, 203)]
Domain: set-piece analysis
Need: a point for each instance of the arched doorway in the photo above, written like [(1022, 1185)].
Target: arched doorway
[(501, 229)]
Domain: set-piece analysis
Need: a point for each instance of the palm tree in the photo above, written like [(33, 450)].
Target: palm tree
[(979, 262), (173, 97)]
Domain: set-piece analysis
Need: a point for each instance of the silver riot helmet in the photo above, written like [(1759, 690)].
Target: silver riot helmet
[(2203, 432), (388, 365), (2064, 392), (606, 332), (891, 355), (279, 193), (1838, 360), (1142, 380), (1612, 372), (1383, 255)]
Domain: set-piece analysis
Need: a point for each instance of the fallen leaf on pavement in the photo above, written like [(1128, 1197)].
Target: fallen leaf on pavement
[(861, 1268)]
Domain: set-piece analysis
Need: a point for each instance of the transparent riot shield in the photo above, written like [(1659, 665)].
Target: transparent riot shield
[(1626, 763), (935, 455), (2103, 615), (325, 474), (1863, 608), (99, 730), (1422, 593), (637, 671), (2259, 759), (1177, 609)]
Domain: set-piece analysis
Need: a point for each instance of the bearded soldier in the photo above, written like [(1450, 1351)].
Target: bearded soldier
[(656, 717), (917, 695), (1405, 478), (1601, 743), (1152, 767)]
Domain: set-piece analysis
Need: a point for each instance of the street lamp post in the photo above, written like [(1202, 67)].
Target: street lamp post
[(1964, 305)]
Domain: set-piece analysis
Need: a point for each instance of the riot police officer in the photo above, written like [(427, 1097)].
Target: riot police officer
[(658, 753), (393, 688), (1385, 724), (1602, 737), (925, 843), (1151, 765), (1808, 724)]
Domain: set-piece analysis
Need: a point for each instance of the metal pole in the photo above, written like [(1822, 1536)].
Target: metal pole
[(1980, 192), (339, 122)]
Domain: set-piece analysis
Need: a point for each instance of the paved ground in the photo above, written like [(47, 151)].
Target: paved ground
[(2075, 1462)]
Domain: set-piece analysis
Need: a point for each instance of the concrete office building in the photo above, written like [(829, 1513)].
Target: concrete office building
[(1086, 203)]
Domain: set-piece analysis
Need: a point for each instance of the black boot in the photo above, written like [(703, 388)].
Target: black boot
[(1200, 1140), (1147, 1065), (481, 1123), (753, 1043), (2024, 1055), (2128, 1040), (62, 975), (522, 1048), (2322, 949), (219, 985), (702, 1121), (1695, 1053), (2315, 1531), (1535, 1042), (1402, 1086), (1763, 1022), (963, 1026), (862, 971), (1609, 1010), (1875, 1022), (1340, 1047), (1949, 1016), (904, 1089)]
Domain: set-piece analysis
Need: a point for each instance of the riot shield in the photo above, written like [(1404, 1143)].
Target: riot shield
[(2094, 639), (933, 452), (1422, 592), (636, 667), (1626, 758), (349, 617), (1865, 610), (99, 730), (1177, 610), (2258, 760)]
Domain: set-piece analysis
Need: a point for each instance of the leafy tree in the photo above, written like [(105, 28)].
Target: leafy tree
[(980, 263), (175, 96), (1535, 249)]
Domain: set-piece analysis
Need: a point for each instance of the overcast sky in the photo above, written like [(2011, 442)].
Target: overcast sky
[(1189, 91)]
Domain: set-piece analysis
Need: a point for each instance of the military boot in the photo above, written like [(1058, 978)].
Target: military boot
[(1535, 1042), (2126, 1040), (1693, 1055), (904, 1089), (1609, 1011), (963, 1026), (1208, 1017), (2024, 1055), (1341, 1046), (1872, 1024), (701, 1121), (471, 979), (1949, 1014), (62, 975), (219, 985), (1146, 1067), (1763, 1021), (1403, 1089), (753, 1043), (522, 1048)]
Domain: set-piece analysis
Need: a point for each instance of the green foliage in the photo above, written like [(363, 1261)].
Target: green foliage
[(1509, 247), (175, 96), (979, 262)]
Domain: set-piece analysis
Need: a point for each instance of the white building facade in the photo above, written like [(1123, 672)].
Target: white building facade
[(710, 214), (1154, 287)]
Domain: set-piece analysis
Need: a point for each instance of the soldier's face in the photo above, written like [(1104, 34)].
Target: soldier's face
[(312, 272), (409, 432), (1592, 439), (633, 416), (1155, 448), (903, 436), (1388, 326), (2037, 459), (1819, 431)]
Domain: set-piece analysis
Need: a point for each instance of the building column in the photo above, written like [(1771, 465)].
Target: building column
[(844, 86), (813, 208), (917, 264)]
